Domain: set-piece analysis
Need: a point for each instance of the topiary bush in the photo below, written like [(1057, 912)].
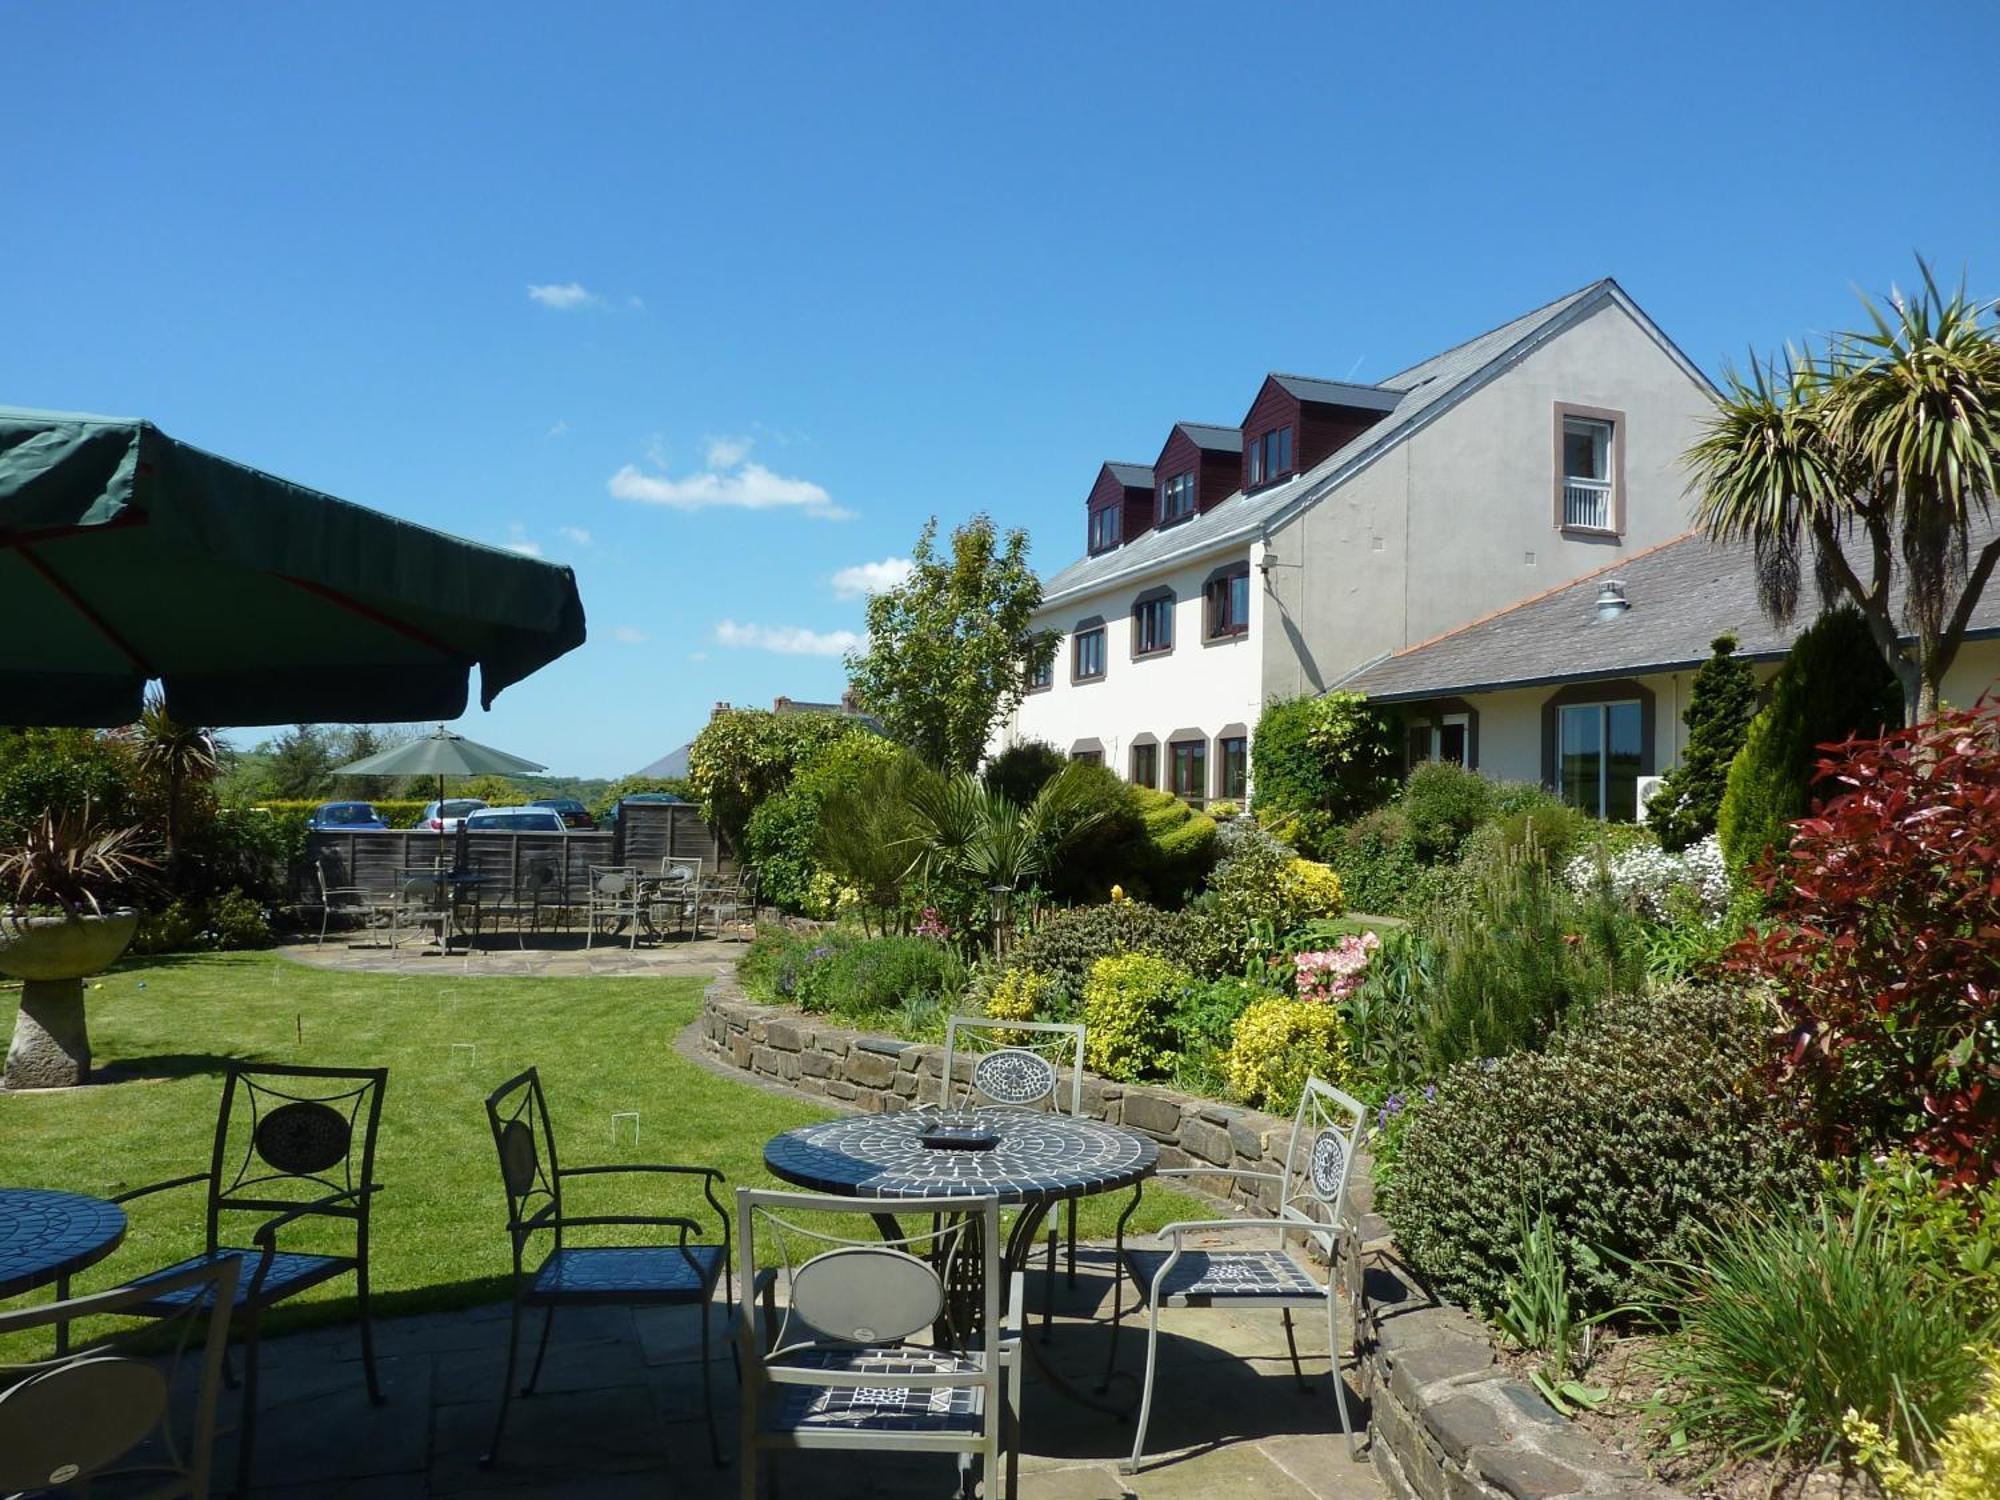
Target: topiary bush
[(1277, 1044), (1833, 684), (1721, 703), (1020, 771), (1634, 1127), (1066, 944), (1128, 1004)]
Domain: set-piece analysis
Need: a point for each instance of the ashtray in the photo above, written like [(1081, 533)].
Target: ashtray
[(961, 1134)]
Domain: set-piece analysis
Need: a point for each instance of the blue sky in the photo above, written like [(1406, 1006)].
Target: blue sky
[(715, 304)]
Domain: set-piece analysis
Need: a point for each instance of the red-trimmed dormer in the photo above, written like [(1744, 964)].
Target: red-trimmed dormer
[(1196, 471), (1120, 506), (1297, 421)]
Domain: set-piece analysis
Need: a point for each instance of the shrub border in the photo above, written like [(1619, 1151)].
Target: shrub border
[(1446, 1419)]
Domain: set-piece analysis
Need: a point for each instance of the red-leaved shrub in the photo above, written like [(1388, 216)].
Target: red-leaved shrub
[(1885, 951)]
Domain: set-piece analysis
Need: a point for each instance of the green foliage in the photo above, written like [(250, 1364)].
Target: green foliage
[(1441, 804), (225, 923), (1330, 755), (1720, 706), (1634, 1126), (1021, 770), (1258, 893), (1377, 862), (1832, 684), (867, 830), (1178, 852), (1517, 957), (1278, 1043), (298, 763), (1777, 1322), (1949, 1231), (860, 980), (1383, 1042), (44, 770), (1537, 1309), (745, 755), (782, 840), (1068, 943), (1128, 1006), (1204, 1019), (948, 650)]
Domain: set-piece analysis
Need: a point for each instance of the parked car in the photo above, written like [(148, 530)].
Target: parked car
[(330, 817), (574, 813), (611, 816), (531, 819), (445, 816)]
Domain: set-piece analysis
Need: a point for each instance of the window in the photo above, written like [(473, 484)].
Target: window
[(1235, 753), (1153, 626), (1448, 737), (1146, 765), (1228, 604), (1177, 497), (1041, 674), (1589, 467), (1087, 656), (1270, 456), (1598, 754), (1104, 527), (1087, 757), (1190, 769)]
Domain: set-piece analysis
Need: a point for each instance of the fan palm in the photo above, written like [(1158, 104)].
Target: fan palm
[(1879, 459)]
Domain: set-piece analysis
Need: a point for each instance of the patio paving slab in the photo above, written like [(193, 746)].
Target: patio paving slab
[(546, 956)]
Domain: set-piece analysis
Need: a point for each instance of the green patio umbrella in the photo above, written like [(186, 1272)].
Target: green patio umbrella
[(440, 753), (126, 555)]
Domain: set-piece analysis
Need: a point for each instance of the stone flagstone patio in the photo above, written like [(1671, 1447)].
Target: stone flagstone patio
[(618, 1414)]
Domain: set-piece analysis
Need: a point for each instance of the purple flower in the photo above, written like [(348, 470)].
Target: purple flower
[(1430, 1091)]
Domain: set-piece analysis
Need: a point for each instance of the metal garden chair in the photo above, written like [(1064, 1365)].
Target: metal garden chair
[(1019, 1065), (615, 900), (296, 1143), (102, 1414), (1312, 1204), (836, 1366), (351, 900), (680, 1274), (421, 901)]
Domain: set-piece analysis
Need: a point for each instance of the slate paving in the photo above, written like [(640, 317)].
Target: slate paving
[(619, 1414), (547, 955)]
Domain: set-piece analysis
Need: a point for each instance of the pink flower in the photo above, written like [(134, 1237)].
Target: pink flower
[(1336, 972)]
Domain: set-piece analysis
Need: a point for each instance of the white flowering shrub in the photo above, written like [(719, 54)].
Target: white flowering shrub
[(1648, 878)]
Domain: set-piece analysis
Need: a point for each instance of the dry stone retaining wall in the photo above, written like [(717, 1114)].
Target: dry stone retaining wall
[(1447, 1421)]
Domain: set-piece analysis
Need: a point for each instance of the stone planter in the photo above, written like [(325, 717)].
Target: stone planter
[(51, 956)]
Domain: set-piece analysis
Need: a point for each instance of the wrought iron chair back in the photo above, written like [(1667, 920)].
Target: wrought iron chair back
[(1018, 1064), (1319, 1159), (296, 1139), (79, 1417), (518, 1113)]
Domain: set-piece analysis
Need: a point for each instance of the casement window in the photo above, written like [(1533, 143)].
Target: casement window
[(1087, 655), (1226, 603), (1041, 674), (1088, 757), (1176, 497), (1104, 527), (1600, 754), (1270, 456), (1443, 737), (1589, 464), (1153, 625), (1146, 765), (1187, 763), (1233, 751)]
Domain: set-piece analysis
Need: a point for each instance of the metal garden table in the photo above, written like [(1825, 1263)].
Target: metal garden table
[(49, 1236), (1040, 1160)]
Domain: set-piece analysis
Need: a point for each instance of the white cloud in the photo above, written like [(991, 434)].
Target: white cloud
[(786, 640), (575, 535), (563, 296), (627, 635), (559, 429), (526, 549), (519, 541), (872, 577), (730, 478)]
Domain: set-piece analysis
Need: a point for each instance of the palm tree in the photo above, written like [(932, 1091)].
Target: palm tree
[(176, 756), (1876, 457)]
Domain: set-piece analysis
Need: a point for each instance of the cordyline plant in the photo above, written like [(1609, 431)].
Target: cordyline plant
[(1885, 949), (67, 862)]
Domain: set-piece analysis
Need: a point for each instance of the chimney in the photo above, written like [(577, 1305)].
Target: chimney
[(721, 708), (1611, 600)]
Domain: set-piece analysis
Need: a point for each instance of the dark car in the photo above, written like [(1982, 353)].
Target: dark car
[(611, 817), (574, 813), (330, 817)]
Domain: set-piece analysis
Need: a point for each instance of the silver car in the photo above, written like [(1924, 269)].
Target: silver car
[(516, 820), (445, 816)]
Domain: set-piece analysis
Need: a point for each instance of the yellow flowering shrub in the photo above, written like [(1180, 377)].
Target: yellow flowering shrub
[(1277, 1044), (1968, 1452), (1128, 1004), (1017, 996), (1312, 889)]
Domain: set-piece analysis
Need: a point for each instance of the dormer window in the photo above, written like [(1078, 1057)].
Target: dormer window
[(1104, 528), (1177, 497), (1270, 456)]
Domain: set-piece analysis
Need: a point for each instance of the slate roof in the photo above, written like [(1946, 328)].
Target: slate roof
[(1214, 438), (1683, 594), (1339, 392), (1132, 476), (1428, 389), (674, 764)]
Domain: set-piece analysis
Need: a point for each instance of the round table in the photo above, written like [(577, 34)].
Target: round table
[(48, 1236)]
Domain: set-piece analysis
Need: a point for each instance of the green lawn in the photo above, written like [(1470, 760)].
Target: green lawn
[(603, 1046)]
